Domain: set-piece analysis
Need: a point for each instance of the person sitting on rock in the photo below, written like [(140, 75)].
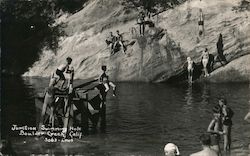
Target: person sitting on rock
[(110, 41), (190, 69), (63, 68), (119, 40)]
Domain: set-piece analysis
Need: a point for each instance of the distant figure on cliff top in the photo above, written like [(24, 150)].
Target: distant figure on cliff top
[(205, 59), (110, 41), (220, 50), (171, 149), (119, 42), (190, 69), (201, 23), (141, 22), (206, 150), (64, 68), (104, 79)]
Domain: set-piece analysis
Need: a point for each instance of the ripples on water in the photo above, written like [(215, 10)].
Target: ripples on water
[(140, 120)]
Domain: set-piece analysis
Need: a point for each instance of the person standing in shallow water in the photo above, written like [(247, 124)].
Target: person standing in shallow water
[(104, 79), (206, 150), (190, 69), (205, 61), (214, 129), (227, 114), (220, 50)]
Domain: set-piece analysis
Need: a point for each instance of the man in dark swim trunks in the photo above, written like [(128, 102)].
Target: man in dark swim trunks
[(201, 23), (227, 114)]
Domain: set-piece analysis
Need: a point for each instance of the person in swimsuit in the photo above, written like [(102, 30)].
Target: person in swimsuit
[(141, 22), (190, 69), (49, 100), (205, 142), (110, 41), (119, 40), (62, 68), (104, 79), (201, 23), (227, 114), (214, 129), (205, 61), (171, 149)]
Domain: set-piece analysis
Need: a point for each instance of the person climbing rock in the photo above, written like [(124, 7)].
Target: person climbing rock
[(119, 41), (141, 22), (221, 58), (63, 68), (204, 60), (110, 41), (201, 23)]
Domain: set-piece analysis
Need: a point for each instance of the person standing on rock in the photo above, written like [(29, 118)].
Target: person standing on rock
[(205, 61), (220, 50), (201, 23), (141, 22), (190, 69)]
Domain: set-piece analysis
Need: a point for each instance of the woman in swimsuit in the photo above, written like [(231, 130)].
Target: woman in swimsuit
[(205, 58), (214, 129)]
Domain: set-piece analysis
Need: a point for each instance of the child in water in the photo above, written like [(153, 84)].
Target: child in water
[(63, 68)]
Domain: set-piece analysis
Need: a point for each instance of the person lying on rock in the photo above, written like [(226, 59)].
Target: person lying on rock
[(119, 40), (63, 68), (110, 41)]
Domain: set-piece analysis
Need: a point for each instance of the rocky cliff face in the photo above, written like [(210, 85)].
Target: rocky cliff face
[(161, 53)]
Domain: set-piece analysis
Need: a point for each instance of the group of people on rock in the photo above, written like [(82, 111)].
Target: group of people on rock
[(207, 60), (219, 126), (115, 42)]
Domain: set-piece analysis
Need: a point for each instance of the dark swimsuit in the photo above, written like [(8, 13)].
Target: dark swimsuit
[(60, 74)]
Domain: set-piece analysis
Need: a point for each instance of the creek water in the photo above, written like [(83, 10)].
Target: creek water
[(140, 120)]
